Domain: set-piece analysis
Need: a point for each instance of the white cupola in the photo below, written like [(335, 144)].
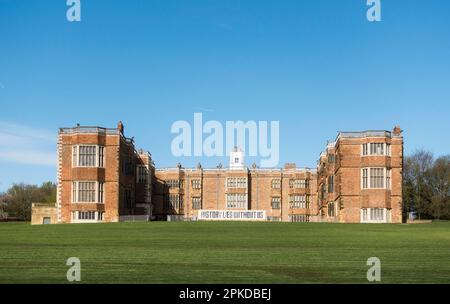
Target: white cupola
[(237, 159)]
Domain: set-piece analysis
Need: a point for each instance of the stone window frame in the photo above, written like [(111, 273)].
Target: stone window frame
[(366, 178), (99, 192), (368, 150), (99, 156)]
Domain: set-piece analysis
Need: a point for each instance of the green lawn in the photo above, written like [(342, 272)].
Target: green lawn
[(206, 252)]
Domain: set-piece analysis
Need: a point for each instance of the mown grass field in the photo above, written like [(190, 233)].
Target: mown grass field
[(205, 252)]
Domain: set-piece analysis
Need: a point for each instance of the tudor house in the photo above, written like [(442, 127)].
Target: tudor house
[(102, 177)]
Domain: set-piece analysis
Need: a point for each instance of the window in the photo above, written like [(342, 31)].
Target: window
[(274, 219), (365, 150), (142, 174), (173, 201), (331, 158), (322, 192), (375, 178), (276, 202), (299, 183), (196, 184), (298, 201), (176, 201), (74, 156), (231, 183), (376, 149), (86, 216), (128, 198), (299, 218), (388, 178), (101, 156), (128, 165), (100, 192), (196, 203), (236, 160), (88, 156), (375, 215), (276, 183), (331, 184), (236, 201), (174, 184), (74, 192), (331, 209), (365, 178), (234, 182), (242, 183), (87, 192), (364, 215)]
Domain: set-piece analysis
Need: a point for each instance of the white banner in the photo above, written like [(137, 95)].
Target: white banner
[(232, 215)]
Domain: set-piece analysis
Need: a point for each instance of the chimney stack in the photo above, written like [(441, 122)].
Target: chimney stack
[(290, 166), (120, 127), (397, 131)]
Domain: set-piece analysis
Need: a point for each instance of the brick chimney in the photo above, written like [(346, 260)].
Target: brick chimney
[(397, 131), (290, 166), (120, 127)]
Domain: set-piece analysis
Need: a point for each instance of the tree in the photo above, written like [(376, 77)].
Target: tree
[(17, 200), (3, 213), (426, 185), (416, 182), (439, 178), (408, 186)]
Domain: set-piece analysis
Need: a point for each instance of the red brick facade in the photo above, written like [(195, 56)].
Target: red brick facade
[(367, 172), (264, 189), (100, 186), (102, 178)]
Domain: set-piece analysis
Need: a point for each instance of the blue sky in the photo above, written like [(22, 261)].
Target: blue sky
[(316, 66)]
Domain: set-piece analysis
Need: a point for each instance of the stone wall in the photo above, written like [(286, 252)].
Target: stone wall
[(43, 214)]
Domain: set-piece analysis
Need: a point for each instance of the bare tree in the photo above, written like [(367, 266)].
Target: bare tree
[(439, 178), (416, 175), (426, 185)]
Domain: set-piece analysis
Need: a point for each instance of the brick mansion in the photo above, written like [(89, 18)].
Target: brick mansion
[(103, 177)]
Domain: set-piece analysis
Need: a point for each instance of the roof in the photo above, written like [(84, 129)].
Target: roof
[(362, 134)]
